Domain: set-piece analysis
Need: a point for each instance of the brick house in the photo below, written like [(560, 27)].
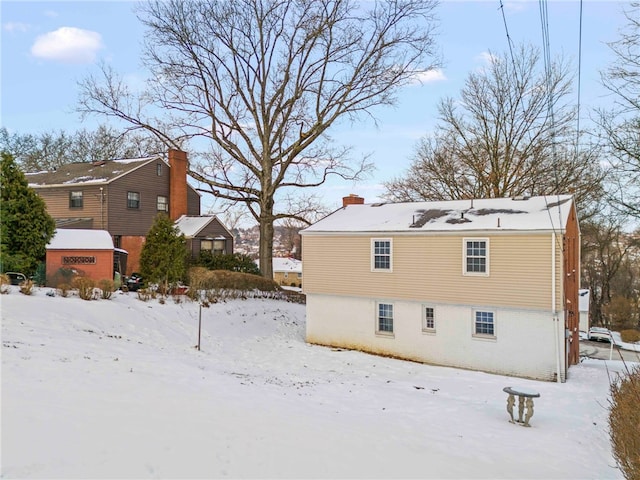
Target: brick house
[(122, 197)]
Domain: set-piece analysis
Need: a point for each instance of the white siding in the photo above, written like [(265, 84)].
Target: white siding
[(525, 345)]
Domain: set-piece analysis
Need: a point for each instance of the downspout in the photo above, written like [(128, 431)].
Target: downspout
[(556, 320)]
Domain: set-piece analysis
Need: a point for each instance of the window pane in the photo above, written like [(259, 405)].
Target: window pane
[(484, 323), (385, 317), (162, 204), (382, 254), (75, 199), (476, 256), (429, 319), (133, 200)]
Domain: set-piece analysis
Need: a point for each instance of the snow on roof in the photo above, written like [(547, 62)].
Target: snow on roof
[(85, 172), (498, 214), (190, 226), (287, 265), (79, 239)]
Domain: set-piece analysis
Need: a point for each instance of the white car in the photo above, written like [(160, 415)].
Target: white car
[(598, 334)]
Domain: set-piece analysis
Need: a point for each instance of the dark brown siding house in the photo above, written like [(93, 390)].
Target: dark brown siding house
[(205, 233), (120, 196)]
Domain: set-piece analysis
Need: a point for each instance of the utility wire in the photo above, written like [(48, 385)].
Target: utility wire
[(506, 29), (579, 81), (546, 49)]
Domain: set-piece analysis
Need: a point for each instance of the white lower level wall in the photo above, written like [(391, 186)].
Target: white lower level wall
[(526, 342)]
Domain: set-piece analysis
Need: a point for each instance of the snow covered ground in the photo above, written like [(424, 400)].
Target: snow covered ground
[(115, 389)]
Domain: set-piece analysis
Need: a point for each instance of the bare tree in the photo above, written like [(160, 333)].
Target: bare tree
[(609, 263), (49, 150), (621, 123), (263, 81), (510, 133)]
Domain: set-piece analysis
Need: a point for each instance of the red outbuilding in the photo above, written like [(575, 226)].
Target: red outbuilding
[(88, 253)]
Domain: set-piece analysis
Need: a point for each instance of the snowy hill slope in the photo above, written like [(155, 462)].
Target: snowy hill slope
[(115, 389)]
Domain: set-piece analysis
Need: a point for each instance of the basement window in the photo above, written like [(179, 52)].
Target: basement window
[(428, 319), (384, 319), (484, 324)]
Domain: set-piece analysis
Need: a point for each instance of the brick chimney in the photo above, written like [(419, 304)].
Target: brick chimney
[(177, 184), (352, 199)]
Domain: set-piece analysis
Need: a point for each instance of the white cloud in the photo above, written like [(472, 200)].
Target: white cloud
[(68, 45), (51, 13), (12, 27), (486, 58), (428, 76)]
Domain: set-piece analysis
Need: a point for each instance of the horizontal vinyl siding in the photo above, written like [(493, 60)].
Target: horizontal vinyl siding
[(57, 201), (193, 202), (136, 222), (430, 267), (213, 230)]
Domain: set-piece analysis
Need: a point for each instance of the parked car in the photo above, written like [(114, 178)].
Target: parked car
[(598, 334), (134, 282), (16, 278)]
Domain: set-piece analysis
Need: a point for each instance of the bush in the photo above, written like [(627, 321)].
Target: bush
[(85, 287), (203, 279), (63, 275), (26, 287), (107, 288), (624, 423), (630, 336), (4, 283), (234, 262), (144, 294), (63, 289)]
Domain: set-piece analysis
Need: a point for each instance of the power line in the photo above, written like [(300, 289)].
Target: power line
[(548, 67), (579, 81)]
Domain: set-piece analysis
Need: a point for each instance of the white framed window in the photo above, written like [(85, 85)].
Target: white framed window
[(475, 254), (484, 323), (162, 203), (381, 255), (428, 318), (384, 318)]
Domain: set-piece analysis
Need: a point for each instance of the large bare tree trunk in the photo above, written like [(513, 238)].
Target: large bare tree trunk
[(266, 245)]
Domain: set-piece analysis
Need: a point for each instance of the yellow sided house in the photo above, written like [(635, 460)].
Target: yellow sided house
[(482, 284)]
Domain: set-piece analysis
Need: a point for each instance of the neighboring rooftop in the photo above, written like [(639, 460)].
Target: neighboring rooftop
[(499, 214), (79, 239), (287, 265), (82, 173), (190, 226)]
